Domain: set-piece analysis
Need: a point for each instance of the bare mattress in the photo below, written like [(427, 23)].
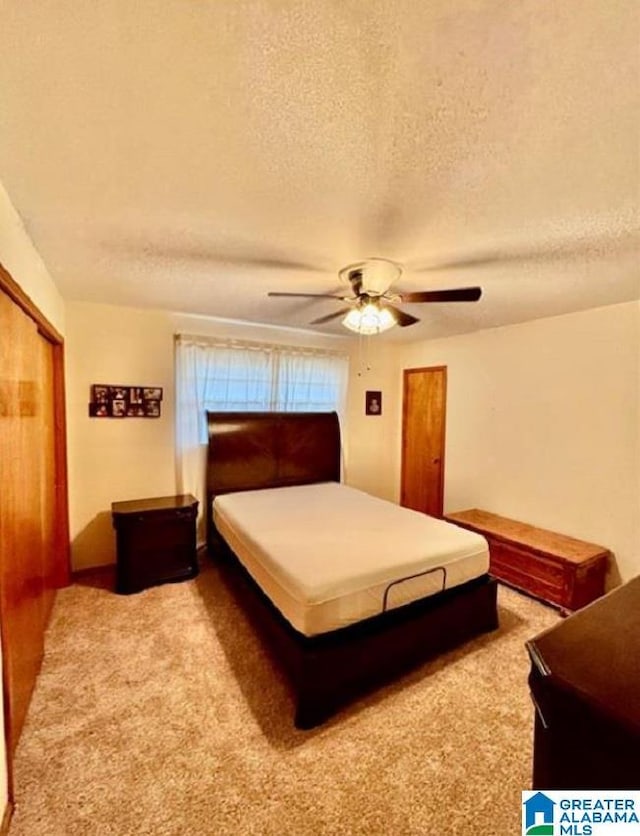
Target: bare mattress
[(328, 555)]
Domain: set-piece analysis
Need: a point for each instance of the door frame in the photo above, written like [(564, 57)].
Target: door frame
[(12, 289), (405, 375)]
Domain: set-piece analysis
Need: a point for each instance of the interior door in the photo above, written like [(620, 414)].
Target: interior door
[(423, 435), (27, 506)]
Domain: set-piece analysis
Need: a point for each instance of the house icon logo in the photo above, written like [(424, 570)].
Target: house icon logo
[(538, 815)]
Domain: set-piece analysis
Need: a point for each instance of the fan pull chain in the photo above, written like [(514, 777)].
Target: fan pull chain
[(363, 354)]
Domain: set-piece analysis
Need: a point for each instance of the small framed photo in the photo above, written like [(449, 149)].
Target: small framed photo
[(119, 393), (99, 410), (118, 408), (152, 393), (373, 403), (100, 393), (135, 410), (152, 409), (135, 395)]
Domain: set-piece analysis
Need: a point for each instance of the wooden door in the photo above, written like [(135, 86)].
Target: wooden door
[(33, 554), (423, 432)]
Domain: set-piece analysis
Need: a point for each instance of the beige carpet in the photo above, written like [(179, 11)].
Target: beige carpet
[(158, 713)]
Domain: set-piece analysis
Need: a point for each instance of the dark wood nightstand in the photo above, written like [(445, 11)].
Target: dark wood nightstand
[(156, 541)]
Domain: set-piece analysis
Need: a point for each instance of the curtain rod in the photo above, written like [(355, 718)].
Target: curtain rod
[(254, 345)]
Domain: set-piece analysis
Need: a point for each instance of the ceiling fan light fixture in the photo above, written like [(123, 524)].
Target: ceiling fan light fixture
[(369, 318)]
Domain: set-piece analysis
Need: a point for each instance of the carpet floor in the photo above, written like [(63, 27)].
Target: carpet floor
[(159, 714)]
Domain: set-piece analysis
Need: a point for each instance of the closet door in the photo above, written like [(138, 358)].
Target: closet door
[(27, 505)]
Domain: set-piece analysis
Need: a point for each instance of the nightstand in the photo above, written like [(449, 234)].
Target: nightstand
[(156, 541)]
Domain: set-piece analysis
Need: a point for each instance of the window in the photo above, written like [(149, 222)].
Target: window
[(219, 375)]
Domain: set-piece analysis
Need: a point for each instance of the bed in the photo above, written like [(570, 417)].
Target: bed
[(347, 600)]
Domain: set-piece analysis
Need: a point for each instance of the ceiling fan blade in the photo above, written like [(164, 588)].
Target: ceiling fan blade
[(403, 319), (330, 316), (459, 294), (307, 295)]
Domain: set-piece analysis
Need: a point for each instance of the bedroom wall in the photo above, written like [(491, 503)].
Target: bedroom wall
[(114, 460), (543, 424), (19, 257), (373, 460), (119, 460)]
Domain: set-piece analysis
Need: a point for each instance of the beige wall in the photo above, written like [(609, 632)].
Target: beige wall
[(113, 460), (373, 456), (19, 257), (543, 424)]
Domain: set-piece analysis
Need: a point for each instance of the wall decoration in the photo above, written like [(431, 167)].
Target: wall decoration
[(109, 401), (373, 403)]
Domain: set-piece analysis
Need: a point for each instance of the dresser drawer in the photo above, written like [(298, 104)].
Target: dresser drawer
[(151, 533), (507, 557), (528, 571)]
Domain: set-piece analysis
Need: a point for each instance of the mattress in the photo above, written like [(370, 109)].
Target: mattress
[(328, 555)]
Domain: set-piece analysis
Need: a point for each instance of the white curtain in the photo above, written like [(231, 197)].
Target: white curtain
[(219, 375)]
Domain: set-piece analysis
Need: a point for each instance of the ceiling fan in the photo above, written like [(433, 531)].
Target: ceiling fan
[(372, 305)]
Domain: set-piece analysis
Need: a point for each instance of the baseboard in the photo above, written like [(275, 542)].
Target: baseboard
[(92, 570), (6, 819), (99, 577)]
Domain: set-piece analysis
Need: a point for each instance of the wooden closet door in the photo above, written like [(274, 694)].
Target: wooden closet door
[(27, 490), (423, 433)]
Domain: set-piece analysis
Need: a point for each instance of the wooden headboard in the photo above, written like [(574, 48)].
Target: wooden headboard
[(250, 450)]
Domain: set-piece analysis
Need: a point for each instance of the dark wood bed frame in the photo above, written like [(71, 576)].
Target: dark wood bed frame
[(248, 451)]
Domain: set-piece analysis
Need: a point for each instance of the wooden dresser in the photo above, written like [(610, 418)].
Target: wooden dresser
[(585, 684), (560, 570)]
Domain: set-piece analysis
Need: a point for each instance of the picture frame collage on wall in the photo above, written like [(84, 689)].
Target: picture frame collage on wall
[(108, 401)]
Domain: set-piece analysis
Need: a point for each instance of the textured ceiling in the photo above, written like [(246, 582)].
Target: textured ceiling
[(194, 155)]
